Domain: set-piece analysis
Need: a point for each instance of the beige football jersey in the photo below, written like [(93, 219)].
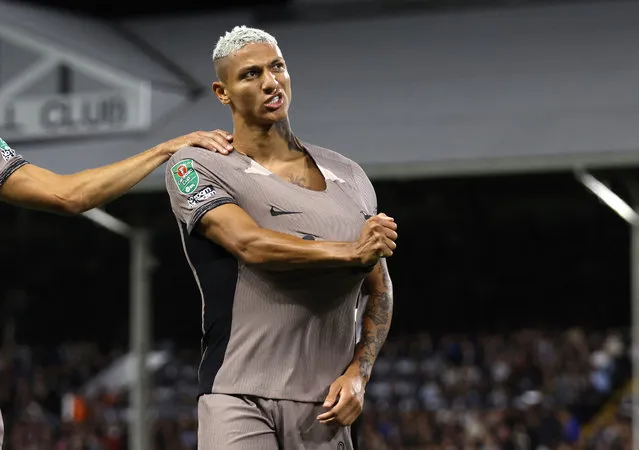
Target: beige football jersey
[(274, 334)]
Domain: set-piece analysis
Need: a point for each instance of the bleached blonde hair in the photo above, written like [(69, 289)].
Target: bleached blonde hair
[(237, 38)]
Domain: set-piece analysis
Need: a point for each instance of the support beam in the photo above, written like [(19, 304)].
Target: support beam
[(139, 325), (629, 214)]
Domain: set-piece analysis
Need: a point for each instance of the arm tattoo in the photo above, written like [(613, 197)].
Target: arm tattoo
[(375, 325), (283, 128)]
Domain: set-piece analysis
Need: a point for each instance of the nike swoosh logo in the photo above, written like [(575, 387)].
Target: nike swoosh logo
[(279, 212), (308, 236)]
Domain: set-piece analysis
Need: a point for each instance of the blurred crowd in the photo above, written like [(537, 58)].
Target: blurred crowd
[(46, 403), (529, 390), (526, 390)]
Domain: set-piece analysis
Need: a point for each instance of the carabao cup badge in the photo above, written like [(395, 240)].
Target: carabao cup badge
[(185, 176)]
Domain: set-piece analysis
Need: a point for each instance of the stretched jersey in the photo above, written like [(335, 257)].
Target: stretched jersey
[(274, 334), (9, 161)]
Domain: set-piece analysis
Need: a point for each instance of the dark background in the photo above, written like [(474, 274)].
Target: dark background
[(480, 253)]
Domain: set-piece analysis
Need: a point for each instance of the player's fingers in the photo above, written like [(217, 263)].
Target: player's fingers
[(377, 222), (350, 410), (204, 141), (387, 224), (334, 413), (390, 225), (329, 420), (224, 140), (382, 229), (225, 134), (222, 145), (343, 403), (390, 234), (215, 140), (327, 416), (333, 392), (222, 137), (390, 244), (385, 250), (382, 219)]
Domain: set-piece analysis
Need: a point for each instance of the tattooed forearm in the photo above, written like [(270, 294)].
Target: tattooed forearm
[(365, 349), (375, 324), (368, 348), (283, 128), (381, 308)]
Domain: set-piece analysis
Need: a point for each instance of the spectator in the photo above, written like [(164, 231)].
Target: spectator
[(528, 390)]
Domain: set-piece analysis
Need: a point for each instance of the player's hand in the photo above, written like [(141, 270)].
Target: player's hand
[(377, 239), (216, 141), (345, 400)]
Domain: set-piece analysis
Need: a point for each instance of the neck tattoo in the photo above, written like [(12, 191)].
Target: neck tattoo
[(283, 128)]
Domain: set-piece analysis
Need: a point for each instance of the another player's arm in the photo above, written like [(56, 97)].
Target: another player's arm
[(376, 320), (231, 227), (34, 187)]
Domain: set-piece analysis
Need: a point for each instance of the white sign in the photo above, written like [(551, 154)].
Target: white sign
[(68, 115), (124, 105)]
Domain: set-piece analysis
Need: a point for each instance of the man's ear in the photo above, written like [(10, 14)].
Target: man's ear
[(220, 92)]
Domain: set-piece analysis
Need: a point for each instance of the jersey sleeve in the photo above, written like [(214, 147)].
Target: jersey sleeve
[(365, 189), (197, 182), (9, 161)]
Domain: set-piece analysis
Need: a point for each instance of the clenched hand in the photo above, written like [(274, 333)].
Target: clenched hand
[(377, 239)]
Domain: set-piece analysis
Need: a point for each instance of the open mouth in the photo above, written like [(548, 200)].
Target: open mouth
[(274, 102)]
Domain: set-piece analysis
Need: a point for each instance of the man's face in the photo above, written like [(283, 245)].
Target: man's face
[(256, 83)]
